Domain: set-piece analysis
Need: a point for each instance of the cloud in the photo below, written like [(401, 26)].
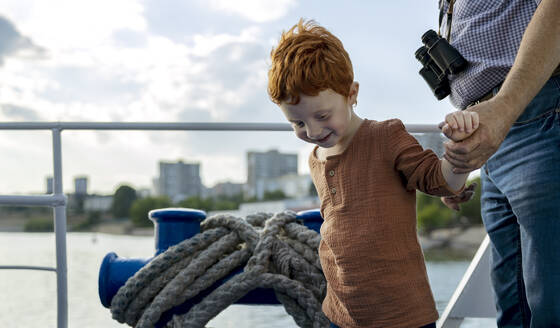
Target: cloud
[(254, 10), (129, 38), (15, 112), (212, 77), (13, 43), (231, 85), (64, 25), (124, 72), (88, 85)]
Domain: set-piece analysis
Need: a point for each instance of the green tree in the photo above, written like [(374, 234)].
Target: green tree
[(312, 190), (39, 224), (77, 206), (432, 213), (471, 209), (93, 218), (196, 202), (433, 216), (224, 204), (236, 198), (274, 195), (212, 204), (140, 208), (122, 201)]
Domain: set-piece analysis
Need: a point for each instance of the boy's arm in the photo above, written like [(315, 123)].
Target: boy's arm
[(419, 168), (456, 181)]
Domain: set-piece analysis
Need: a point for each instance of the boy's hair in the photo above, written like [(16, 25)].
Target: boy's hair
[(307, 61)]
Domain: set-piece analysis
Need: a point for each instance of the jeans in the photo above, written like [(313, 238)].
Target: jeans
[(521, 211)]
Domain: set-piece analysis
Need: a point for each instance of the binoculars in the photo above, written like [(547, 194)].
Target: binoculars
[(439, 59)]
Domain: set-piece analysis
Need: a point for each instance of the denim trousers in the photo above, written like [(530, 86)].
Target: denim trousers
[(520, 204)]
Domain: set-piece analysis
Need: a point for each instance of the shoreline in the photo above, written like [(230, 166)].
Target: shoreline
[(441, 244)]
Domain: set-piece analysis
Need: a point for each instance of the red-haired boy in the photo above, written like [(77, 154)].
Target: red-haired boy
[(366, 174)]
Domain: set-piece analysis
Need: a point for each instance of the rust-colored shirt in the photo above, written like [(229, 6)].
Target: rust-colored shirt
[(369, 251)]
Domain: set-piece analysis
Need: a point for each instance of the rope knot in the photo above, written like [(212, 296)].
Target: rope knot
[(276, 250)]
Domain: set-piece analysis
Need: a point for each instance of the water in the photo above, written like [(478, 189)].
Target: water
[(28, 298)]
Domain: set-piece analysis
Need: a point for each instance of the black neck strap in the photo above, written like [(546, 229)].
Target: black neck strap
[(449, 15)]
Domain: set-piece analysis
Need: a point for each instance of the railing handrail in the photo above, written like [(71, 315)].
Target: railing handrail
[(26, 267), (33, 200), (176, 126)]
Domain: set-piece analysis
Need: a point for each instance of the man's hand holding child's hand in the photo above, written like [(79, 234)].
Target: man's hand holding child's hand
[(459, 125)]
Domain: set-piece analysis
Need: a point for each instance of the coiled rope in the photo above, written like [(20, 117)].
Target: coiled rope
[(279, 253)]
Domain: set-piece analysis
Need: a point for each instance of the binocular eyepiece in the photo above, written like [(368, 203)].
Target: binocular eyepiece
[(438, 59)]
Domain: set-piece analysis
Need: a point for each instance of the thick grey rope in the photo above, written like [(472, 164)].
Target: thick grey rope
[(160, 264), (280, 254), (308, 314), (215, 248)]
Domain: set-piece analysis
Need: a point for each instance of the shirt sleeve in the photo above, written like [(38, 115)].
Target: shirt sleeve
[(420, 169)]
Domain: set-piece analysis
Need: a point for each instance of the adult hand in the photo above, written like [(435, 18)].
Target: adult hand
[(453, 201), (471, 153)]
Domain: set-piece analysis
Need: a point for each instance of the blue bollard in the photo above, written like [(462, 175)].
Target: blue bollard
[(173, 225), (311, 219)]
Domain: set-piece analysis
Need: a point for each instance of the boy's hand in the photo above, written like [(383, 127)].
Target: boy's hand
[(459, 125), (453, 201)]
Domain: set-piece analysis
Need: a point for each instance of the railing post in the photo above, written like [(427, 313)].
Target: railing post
[(59, 212), (473, 297)]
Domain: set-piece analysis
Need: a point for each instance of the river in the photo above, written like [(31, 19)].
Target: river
[(28, 298)]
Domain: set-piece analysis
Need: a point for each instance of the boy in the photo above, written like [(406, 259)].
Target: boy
[(366, 174)]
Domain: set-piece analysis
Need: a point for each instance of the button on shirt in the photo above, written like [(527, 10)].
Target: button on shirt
[(487, 33), (369, 248)]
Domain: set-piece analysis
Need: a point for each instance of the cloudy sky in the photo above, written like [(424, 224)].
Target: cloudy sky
[(182, 61)]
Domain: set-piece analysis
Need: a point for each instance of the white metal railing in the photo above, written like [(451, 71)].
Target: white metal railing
[(472, 298), (58, 202)]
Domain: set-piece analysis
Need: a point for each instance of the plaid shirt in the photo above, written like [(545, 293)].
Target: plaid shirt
[(487, 33)]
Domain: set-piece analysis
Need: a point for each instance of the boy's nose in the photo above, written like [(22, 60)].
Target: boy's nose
[(313, 132)]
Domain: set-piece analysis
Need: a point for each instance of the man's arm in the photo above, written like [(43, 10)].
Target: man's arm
[(538, 55)]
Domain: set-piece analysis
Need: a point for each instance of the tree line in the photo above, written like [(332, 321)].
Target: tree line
[(128, 205), (432, 214)]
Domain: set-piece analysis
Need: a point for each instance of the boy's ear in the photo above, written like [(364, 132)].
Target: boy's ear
[(353, 94)]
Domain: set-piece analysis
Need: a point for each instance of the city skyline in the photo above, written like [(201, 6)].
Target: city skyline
[(176, 61), (181, 179), (260, 164)]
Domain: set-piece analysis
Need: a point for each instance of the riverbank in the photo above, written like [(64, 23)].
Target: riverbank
[(463, 240), (454, 243), (441, 244)]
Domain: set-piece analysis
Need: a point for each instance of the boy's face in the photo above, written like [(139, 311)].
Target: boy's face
[(322, 119)]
